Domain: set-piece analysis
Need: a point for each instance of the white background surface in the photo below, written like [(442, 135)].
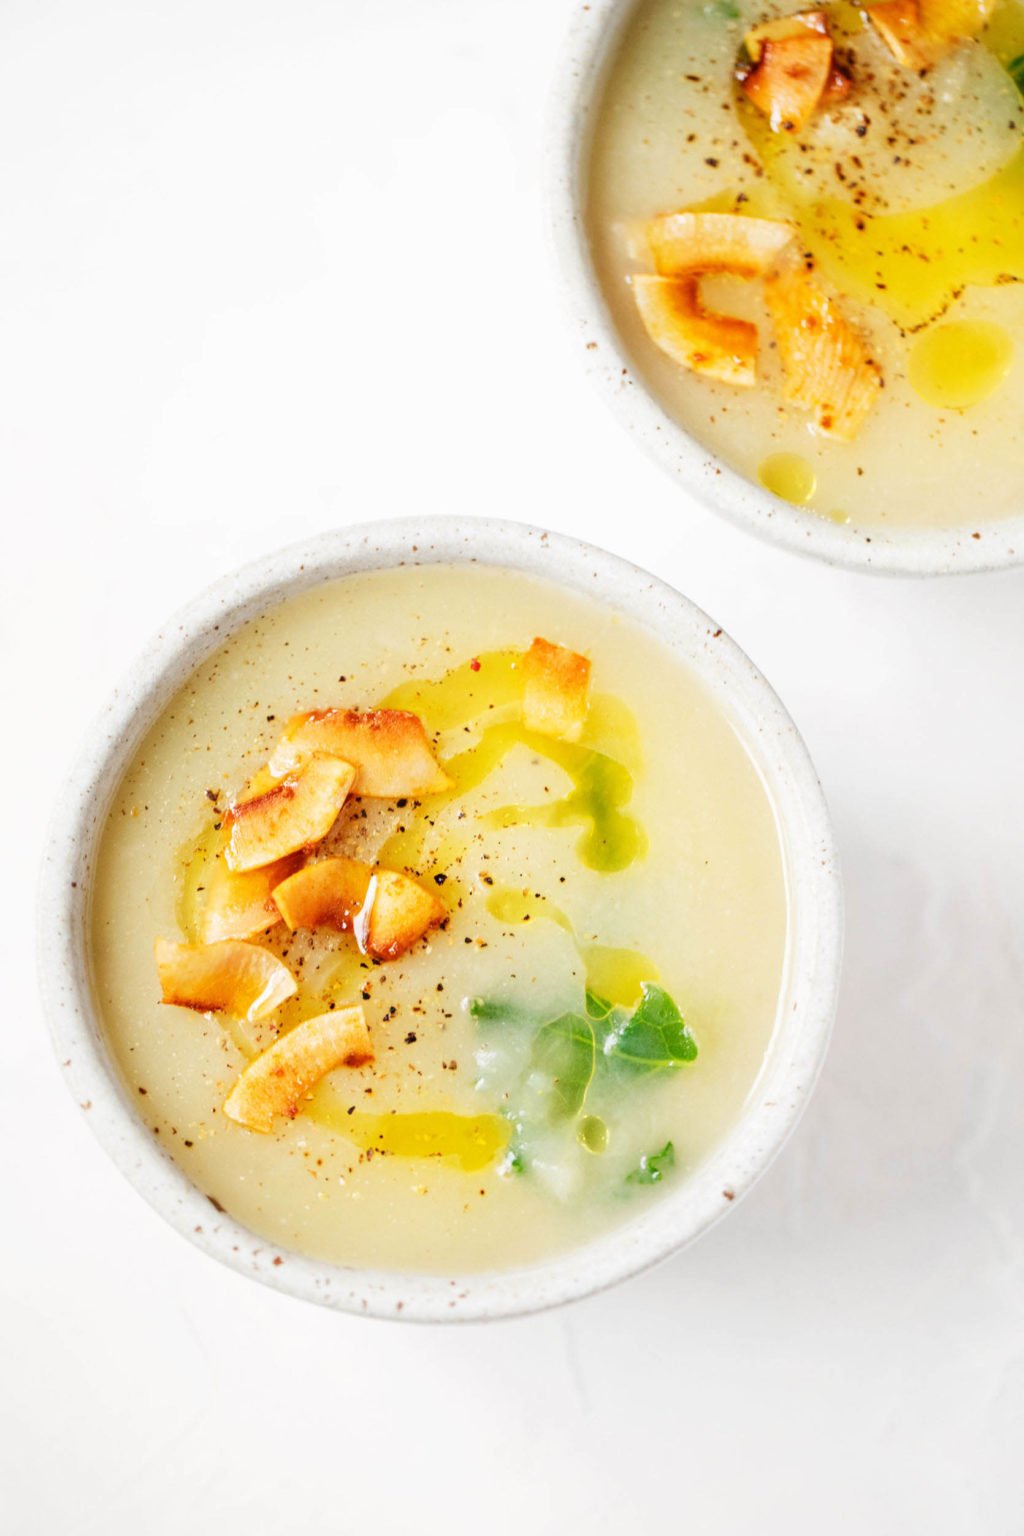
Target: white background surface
[(265, 268)]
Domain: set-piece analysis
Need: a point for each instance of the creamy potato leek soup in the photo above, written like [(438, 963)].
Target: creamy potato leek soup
[(439, 922), (809, 224)]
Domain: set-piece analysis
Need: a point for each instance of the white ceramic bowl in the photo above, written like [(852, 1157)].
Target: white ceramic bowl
[(593, 44), (812, 967)]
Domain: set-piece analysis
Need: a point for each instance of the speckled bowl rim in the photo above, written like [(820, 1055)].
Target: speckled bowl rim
[(807, 1005), (986, 546)]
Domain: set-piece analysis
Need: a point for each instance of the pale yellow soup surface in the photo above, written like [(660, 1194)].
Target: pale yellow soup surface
[(670, 135), (706, 905)]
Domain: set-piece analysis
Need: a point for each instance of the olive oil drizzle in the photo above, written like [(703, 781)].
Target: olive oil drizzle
[(472, 1142), (485, 696), (911, 265)]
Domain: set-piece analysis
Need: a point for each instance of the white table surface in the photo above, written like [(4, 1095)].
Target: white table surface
[(266, 268)]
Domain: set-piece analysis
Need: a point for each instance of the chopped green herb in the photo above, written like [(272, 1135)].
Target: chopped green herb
[(565, 1051), (1015, 70), (652, 1037), (653, 1166), (724, 10), (571, 1072)]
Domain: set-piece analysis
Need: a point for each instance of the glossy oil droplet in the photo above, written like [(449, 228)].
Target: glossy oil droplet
[(958, 365), (789, 476), (616, 974), (592, 1133), (489, 689)]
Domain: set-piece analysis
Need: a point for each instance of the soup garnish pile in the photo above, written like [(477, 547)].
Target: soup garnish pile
[(281, 864)]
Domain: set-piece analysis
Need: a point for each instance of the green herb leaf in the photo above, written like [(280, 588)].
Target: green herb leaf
[(652, 1037), (1015, 70), (598, 1008), (565, 1051), (653, 1166)]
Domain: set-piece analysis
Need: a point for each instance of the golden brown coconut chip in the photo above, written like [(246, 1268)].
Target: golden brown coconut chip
[(716, 346), (790, 79), (556, 689), (231, 976), (239, 905), (697, 244), (297, 813), (386, 910), (827, 364), (276, 1084), (920, 32), (389, 749)]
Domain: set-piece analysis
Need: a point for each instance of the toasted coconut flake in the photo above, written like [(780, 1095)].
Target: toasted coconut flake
[(278, 1081), (231, 976), (297, 813), (920, 32), (784, 27), (386, 910), (556, 689), (397, 912), (327, 894), (898, 23), (690, 244), (714, 345), (239, 905), (827, 365), (388, 747), (789, 79)]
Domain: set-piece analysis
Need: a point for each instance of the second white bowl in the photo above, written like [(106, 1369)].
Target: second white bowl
[(592, 46)]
